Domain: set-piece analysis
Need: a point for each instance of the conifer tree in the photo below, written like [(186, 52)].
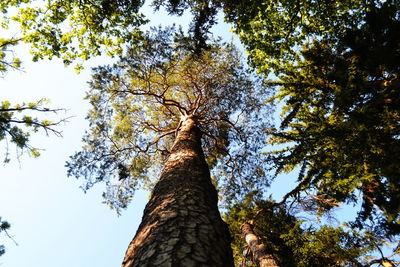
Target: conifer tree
[(341, 120), (164, 108)]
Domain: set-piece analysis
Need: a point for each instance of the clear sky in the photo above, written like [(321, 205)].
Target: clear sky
[(52, 220)]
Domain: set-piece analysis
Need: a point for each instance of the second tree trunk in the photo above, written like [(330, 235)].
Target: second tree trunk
[(261, 255)]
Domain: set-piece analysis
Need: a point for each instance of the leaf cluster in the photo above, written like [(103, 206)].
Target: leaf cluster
[(17, 122), (4, 226), (8, 59)]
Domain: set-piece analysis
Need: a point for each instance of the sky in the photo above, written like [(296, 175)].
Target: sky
[(52, 220)]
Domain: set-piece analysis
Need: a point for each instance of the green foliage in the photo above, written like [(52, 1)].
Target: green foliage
[(7, 59), (327, 246), (137, 105), (273, 31), (72, 29), (16, 125), (341, 119), (6, 4), (296, 242), (4, 226), (80, 29)]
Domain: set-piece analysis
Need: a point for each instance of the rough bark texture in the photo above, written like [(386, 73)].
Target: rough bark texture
[(260, 251), (181, 224)]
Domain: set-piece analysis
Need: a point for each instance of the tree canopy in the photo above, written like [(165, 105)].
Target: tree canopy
[(341, 119), (73, 29), (273, 31), (137, 105), (336, 67), (78, 30)]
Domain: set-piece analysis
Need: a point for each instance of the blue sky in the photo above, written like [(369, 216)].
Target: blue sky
[(53, 221)]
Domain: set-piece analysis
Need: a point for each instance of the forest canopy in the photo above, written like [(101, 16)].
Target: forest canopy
[(336, 80)]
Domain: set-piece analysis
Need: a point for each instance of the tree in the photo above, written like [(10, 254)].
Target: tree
[(341, 119), (288, 234), (337, 76), (204, 17), (157, 104), (262, 255), (16, 125), (7, 59), (18, 121)]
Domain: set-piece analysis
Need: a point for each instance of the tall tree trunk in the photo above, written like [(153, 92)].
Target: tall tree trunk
[(261, 255), (181, 224)]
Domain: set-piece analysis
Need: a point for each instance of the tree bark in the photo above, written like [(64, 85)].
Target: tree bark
[(181, 224), (261, 255)]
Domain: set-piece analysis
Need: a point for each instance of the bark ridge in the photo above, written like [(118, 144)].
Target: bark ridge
[(181, 225)]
